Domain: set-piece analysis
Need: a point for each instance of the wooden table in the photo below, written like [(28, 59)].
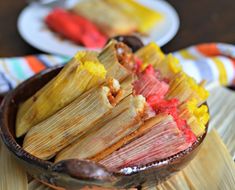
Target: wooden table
[(201, 21)]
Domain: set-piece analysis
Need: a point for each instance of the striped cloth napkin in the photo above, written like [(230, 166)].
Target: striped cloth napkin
[(213, 62)]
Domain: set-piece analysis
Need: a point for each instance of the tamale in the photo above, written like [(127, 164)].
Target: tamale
[(117, 58), (196, 117), (162, 141), (185, 88), (50, 136), (12, 175), (139, 132), (168, 65), (144, 17), (110, 21), (126, 91), (83, 72), (128, 118), (150, 54)]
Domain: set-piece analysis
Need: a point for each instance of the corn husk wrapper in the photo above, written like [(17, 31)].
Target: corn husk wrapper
[(12, 175), (127, 86), (144, 17), (110, 21), (196, 117), (126, 91), (150, 54), (185, 88), (140, 131), (149, 86), (81, 74), (163, 140), (50, 136), (126, 117), (169, 66), (109, 58), (213, 156)]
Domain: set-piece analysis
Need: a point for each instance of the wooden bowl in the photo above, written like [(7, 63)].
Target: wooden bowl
[(74, 174)]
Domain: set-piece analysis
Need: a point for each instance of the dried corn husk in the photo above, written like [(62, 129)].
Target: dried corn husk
[(53, 134), (12, 175), (110, 21), (127, 86), (127, 118), (79, 75), (144, 17), (163, 140), (212, 168), (185, 88), (221, 106), (150, 54), (169, 66), (109, 57), (196, 117)]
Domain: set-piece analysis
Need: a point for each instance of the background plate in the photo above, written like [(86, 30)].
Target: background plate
[(33, 30)]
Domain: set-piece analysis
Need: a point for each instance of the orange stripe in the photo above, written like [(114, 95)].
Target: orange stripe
[(208, 49), (233, 61), (35, 64)]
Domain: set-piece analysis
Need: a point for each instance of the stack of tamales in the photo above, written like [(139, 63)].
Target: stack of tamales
[(116, 108)]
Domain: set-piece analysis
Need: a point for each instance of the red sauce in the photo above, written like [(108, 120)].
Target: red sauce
[(76, 28)]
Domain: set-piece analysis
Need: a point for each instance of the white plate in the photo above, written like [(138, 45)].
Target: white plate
[(33, 30)]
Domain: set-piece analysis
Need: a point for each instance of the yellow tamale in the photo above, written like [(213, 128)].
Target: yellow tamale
[(144, 17), (83, 72)]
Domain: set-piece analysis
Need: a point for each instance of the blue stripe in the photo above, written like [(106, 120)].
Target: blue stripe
[(205, 69), (44, 61), (4, 81)]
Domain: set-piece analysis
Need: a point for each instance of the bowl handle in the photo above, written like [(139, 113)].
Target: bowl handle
[(85, 171)]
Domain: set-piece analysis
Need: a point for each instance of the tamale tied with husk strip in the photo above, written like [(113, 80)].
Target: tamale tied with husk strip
[(82, 73), (50, 136), (127, 118)]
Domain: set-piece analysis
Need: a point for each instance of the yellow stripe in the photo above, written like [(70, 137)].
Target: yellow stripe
[(222, 72), (187, 55)]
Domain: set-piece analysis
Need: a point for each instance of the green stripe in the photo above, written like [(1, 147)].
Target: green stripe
[(15, 65)]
